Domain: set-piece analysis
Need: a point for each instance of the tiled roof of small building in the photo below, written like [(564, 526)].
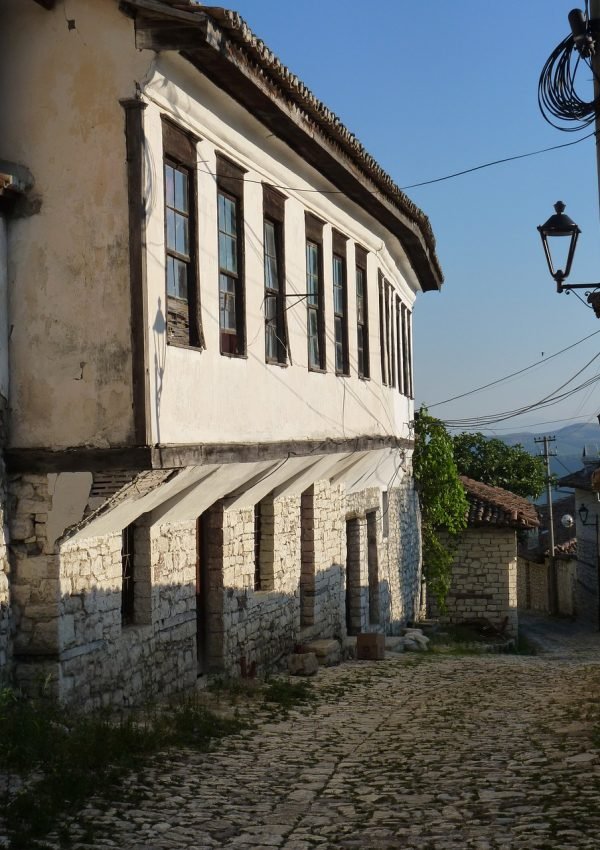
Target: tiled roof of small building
[(496, 507)]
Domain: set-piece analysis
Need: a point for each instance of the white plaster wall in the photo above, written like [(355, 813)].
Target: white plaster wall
[(205, 396), (69, 264)]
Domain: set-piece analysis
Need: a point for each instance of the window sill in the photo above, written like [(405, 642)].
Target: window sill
[(176, 344), (343, 375), (234, 356), (277, 363), (317, 371), (364, 378)]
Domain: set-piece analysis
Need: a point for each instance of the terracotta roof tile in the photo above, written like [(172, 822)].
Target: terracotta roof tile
[(497, 507)]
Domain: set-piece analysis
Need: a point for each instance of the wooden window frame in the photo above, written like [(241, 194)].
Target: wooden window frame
[(405, 361), (314, 236), (382, 332), (340, 319), (184, 316), (364, 372), (389, 336), (411, 394), (399, 358), (230, 185), (274, 214)]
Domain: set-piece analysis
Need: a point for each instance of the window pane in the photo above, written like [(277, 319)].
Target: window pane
[(181, 191), (227, 303), (170, 276), (271, 307), (181, 289), (361, 351), (338, 270), (181, 235), (169, 186), (271, 276), (312, 259), (360, 311), (228, 253), (227, 215), (338, 300), (339, 345), (360, 283), (170, 229), (270, 247), (313, 340)]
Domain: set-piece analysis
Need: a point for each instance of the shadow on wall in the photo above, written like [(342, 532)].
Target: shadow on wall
[(107, 649)]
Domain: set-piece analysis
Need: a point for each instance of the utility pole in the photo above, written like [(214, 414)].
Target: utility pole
[(595, 28), (547, 453)]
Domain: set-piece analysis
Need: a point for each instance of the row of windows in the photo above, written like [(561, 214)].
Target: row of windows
[(183, 296)]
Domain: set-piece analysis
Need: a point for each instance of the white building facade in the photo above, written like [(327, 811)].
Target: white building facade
[(209, 344)]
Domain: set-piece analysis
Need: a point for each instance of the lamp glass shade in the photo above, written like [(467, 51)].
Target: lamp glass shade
[(583, 513), (559, 225)]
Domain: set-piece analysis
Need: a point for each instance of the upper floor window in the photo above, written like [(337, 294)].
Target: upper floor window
[(362, 314), (230, 226), (340, 304), (407, 351), (314, 288), (274, 266), (399, 348), (389, 340), (184, 325)]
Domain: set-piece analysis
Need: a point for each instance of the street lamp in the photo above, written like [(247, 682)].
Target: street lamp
[(561, 225)]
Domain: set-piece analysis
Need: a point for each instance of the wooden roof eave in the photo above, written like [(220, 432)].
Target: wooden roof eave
[(201, 42)]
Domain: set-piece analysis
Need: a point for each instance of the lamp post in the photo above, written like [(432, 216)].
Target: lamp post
[(560, 225), (584, 518)]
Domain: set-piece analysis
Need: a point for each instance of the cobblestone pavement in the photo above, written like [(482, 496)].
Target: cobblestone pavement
[(425, 752)]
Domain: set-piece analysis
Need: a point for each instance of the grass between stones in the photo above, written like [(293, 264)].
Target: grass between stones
[(53, 760)]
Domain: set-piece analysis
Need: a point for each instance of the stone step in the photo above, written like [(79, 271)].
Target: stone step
[(327, 651)]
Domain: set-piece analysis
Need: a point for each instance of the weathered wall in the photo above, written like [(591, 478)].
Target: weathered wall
[(5, 611), (102, 661), (68, 275), (484, 579), (534, 586), (317, 405)]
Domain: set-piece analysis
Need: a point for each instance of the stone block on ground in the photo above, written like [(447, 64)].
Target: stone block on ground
[(370, 646), (394, 644), (328, 651), (349, 647), (303, 664)]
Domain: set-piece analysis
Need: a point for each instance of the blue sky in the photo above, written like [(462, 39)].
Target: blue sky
[(435, 88)]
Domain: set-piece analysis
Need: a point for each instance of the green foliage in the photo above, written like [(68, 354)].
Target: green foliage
[(52, 760), (444, 506), (493, 462)]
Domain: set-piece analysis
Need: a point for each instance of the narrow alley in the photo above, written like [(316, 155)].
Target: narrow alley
[(419, 752)]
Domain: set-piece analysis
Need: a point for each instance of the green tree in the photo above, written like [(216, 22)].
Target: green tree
[(444, 506), (493, 462)]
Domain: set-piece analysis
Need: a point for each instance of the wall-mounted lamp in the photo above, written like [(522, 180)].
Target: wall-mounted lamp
[(560, 225)]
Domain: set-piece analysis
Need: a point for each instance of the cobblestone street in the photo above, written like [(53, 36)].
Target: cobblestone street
[(417, 752)]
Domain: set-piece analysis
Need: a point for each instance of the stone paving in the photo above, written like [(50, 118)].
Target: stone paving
[(427, 752)]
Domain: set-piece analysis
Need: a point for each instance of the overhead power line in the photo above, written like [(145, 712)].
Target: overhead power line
[(513, 374), (423, 182)]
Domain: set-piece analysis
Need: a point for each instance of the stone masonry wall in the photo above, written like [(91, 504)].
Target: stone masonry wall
[(260, 626), (5, 611), (35, 585), (106, 662), (484, 579)]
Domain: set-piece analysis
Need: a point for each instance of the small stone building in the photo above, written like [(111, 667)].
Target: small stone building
[(484, 573)]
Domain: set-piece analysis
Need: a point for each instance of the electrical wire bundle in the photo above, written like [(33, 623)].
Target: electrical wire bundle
[(557, 97)]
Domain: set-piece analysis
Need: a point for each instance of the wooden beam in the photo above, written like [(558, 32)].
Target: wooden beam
[(47, 4), (177, 456)]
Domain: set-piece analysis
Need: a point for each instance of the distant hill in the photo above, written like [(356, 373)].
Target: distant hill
[(569, 445)]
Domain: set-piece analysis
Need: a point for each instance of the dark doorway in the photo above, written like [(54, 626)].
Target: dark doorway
[(202, 592), (353, 618)]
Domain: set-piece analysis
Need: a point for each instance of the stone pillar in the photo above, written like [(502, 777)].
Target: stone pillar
[(35, 586)]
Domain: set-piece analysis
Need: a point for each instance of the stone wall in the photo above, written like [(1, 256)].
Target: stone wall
[(105, 661), (232, 592), (534, 588), (5, 611), (484, 579)]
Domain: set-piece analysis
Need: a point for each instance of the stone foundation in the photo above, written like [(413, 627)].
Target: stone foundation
[(121, 618), (484, 580)]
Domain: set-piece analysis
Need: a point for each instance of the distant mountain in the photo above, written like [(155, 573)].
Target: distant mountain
[(569, 445)]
